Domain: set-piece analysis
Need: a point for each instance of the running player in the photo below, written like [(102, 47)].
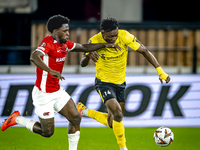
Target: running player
[(110, 76), (48, 96)]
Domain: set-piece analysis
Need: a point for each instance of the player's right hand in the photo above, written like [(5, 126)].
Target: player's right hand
[(162, 75), (94, 56), (56, 74), (166, 80)]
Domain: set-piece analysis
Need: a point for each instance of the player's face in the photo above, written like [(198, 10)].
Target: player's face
[(111, 36), (63, 33)]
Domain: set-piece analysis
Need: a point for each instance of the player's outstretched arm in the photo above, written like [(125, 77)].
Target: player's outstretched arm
[(36, 59), (94, 47), (149, 56), (86, 58)]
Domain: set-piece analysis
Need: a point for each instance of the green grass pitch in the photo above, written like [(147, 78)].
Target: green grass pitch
[(19, 138)]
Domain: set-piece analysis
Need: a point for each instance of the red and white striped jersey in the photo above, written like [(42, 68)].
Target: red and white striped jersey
[(54, 57)]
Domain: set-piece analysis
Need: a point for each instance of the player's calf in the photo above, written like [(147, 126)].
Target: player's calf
[(118, 116)]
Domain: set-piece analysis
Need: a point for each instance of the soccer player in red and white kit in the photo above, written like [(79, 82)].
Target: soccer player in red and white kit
[(48, 96)]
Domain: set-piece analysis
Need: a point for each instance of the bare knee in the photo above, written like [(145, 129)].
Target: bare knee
[(48, 130), (48, 133), (118, 115), (45, 127), (115, 109), (76, 119)]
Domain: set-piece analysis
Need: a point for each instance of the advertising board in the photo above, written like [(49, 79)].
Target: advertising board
[(148, 103)]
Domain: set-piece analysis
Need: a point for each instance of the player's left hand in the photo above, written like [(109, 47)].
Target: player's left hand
[(56, 74), (166, 80), (94, 56)]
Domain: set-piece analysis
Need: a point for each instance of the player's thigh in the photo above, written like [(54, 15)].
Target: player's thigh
[(122, 104), (70, 112), (115, 108), (113, 105)]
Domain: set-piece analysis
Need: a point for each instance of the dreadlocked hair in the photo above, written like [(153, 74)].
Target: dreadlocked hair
[(109, 24), (56, 22)]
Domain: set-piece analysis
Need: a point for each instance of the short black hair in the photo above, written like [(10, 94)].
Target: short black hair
[(56, 22), (109, 24)]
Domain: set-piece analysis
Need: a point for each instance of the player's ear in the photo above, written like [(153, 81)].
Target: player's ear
[(102, 32), (55, 31)]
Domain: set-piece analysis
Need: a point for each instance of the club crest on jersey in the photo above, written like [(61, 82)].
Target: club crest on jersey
[(43, 44), (103, 56)]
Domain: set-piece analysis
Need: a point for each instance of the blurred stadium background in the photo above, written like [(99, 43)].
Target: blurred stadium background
[(170, 29)]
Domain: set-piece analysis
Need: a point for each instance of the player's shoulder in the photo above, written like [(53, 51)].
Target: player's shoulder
[(48, 40), (96, 37), (125, 35), (122, 32)]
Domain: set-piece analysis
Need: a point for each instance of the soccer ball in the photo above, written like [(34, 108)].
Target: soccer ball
[(163, 136)]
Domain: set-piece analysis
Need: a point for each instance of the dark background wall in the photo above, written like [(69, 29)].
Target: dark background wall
[(15, 29)]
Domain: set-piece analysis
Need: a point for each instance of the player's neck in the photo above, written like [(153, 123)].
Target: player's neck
[(55, 37)]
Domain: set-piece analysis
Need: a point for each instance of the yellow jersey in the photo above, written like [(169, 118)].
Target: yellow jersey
[(111, 66)]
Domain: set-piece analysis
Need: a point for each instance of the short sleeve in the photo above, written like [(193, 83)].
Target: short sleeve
[(131, 41), (44, 46), (70, 45)]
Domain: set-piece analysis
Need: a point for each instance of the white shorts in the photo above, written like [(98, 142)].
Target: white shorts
[(46, 104)]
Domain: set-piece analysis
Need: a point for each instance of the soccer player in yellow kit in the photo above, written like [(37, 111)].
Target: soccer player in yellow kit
[(110, 75)]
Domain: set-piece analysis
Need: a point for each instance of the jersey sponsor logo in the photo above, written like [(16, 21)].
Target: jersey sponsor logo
[(108, 58), (60, 59), (43, 44), (58, 50)]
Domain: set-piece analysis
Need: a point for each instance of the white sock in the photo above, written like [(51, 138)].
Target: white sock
[(73, 140), (125, 148), (25, 122), (84, 112)]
